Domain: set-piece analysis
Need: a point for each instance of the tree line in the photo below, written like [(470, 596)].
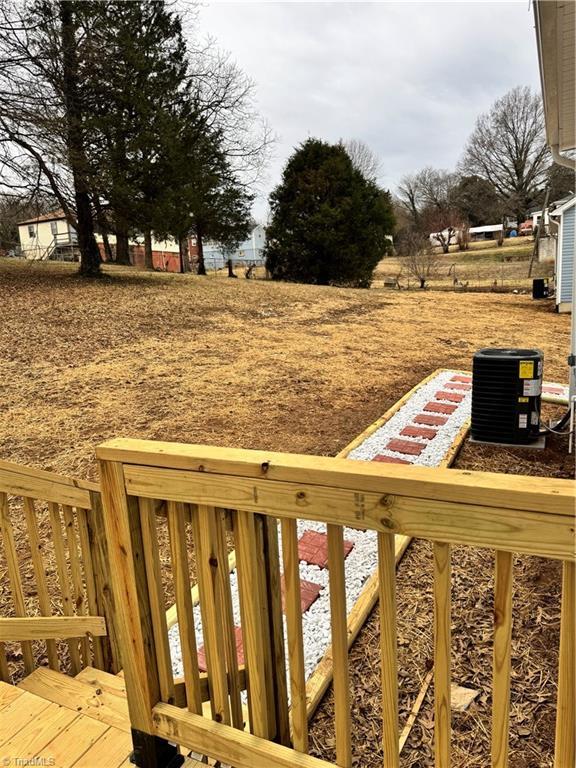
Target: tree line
[(116, 112), (504, 172)]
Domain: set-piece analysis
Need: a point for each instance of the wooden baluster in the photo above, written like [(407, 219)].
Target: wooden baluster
[(442, 642), (156, 592), (501, 661), (565, 747), (91, 593), (36, 548), (14, 576), (293, 609), (207, 565), (76, 573), (225, 600), (248, 561), (339, 626), (102, 568), (5, 676), (184, 608), (272, 601), (388, 648), (67, 603)]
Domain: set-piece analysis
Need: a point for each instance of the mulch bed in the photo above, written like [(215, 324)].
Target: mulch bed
[(535, 636)]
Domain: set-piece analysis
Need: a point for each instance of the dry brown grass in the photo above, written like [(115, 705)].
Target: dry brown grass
[(284, 367), (242, 363)]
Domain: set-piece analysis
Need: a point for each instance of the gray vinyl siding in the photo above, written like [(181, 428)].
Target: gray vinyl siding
[(567, 255)]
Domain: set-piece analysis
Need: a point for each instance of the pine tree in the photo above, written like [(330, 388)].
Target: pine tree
[(329, 223)]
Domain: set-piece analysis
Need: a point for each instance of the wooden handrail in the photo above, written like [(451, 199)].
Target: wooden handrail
[(51, 627)]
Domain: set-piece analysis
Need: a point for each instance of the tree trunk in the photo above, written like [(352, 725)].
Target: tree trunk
[(184, 255), (90, 255), (101, 219), (122, 248), (148, 260), (230, 266), (201, 265), (422, 282)]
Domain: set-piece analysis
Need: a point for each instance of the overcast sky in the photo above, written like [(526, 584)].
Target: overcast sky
[(407, 78)]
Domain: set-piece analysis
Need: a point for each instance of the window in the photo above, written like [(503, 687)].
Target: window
[(31, 230), (54, 227)]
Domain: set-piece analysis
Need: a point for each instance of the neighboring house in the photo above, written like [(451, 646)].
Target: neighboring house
[(48, 236), (51, 237), (486, 232), (251, 251), (566, 245)]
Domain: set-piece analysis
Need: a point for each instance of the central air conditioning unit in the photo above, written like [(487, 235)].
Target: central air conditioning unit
[(506, 395)]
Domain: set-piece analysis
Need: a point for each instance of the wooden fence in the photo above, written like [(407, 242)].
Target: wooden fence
[(65, 594), (204, 488)]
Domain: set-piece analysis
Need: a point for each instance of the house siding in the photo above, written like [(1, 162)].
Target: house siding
[(564, 293)]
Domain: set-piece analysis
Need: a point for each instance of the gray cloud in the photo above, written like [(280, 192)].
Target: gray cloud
[(407, 78)]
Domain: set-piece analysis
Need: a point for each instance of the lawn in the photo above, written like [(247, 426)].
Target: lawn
[(483, 266), (256, 364), (244, 363)]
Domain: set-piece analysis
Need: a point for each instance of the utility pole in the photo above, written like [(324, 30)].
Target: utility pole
[(539, 229)]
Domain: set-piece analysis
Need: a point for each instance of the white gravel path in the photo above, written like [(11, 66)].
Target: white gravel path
[(362, 560)]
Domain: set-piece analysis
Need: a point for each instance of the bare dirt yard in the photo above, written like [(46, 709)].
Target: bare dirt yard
[(256, 364)]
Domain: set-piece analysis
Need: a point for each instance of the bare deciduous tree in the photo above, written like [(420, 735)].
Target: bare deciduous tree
[(418, 257), (508, 148), (364, 159)]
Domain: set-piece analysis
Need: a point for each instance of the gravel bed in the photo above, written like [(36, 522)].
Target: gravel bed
[(362, 560)]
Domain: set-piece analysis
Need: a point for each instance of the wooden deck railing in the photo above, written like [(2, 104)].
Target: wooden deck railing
[(506, 513), (66, 596)]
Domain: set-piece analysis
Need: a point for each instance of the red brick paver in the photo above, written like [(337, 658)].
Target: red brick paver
[(313, 548), (202, 664), (439, 407), (463, 379), (309, 592), (456, 385), (426, 418), (406, 446), (390, 459), (453, 397), (424, 432)]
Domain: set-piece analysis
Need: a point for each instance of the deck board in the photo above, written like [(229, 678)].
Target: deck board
[(8, 693), (31, 741), (76, 741), (18, 715), (111, 750)]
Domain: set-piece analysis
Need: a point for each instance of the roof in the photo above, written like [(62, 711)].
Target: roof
[(568, 203), (555, 29), (56, 215), (486, 228)]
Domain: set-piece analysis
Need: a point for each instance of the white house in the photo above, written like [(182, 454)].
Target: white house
[(565, 214), (51, 237), (46, 236)]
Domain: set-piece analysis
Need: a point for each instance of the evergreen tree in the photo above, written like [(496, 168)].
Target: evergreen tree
[(329, 223)]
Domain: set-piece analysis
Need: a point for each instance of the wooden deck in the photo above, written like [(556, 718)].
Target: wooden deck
[(51, 719)]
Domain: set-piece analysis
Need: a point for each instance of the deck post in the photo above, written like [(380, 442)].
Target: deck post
[(154, 752)]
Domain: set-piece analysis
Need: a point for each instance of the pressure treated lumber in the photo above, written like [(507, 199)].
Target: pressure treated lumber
[(36, 549), (501, 658), (132, 609), (442, 642), (339, 629), (500, 527), (46, 486), (237, 748), (156, 599), (78, 696), (14, 579), (388, 648), (293, 610), (184, 606), (51, 627), (547, 495), (565, 747)]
